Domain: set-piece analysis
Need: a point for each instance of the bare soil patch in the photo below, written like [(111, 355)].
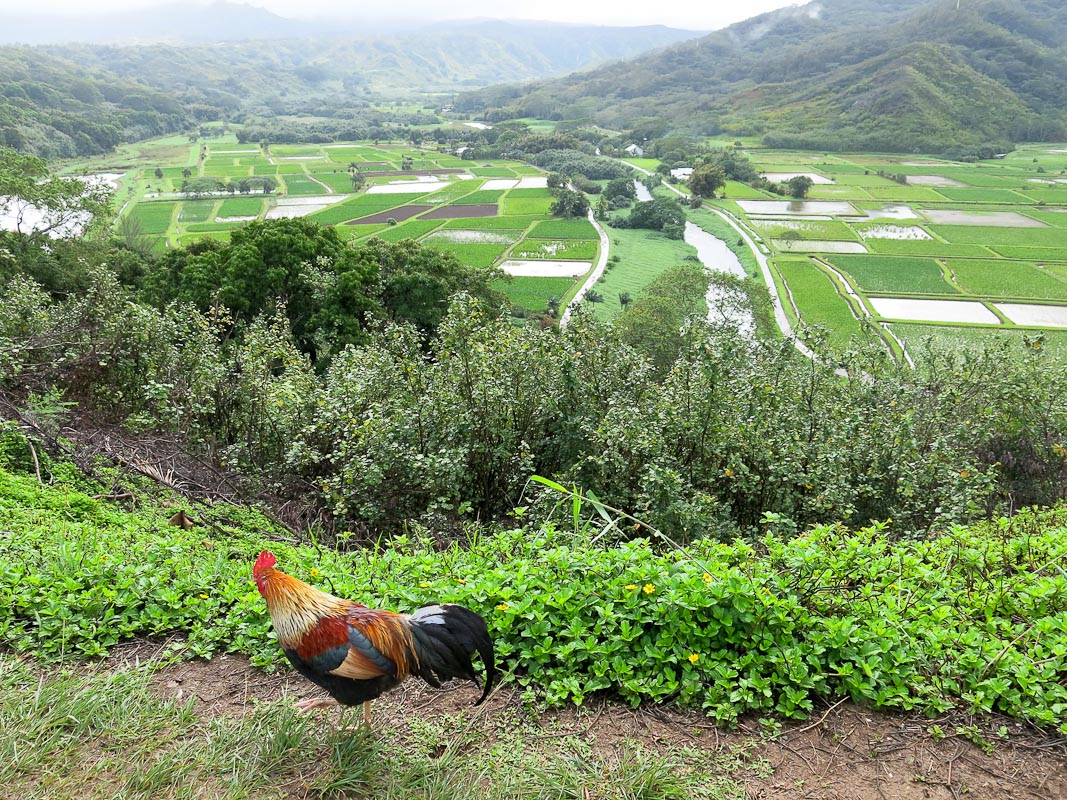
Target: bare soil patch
[(399, 214), (463, 211), (844, 753)]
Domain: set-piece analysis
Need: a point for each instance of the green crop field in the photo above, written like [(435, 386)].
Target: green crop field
[(556, 249), (534, 293), (643, 255), (154, 217), (515, 223), (831, 230), (893, 273), (1004, 196), (990, 235), (915, 335), (1032, 253), (302, 185), (818, 303), (340, 182), (196, 211), (1006, 279), (240, 207), (480, 196), (526, 205), (565, 229), (926, 247), (473, 255)]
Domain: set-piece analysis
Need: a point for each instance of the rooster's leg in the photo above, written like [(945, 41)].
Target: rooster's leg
[(366, 714), (304, 706)]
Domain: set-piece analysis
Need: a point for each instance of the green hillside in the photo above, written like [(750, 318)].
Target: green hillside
[(839, 74)]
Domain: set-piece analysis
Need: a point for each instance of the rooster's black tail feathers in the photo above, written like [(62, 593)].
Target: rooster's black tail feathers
[(445, 638)]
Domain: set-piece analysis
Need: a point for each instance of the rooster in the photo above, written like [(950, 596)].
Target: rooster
[(357, 653)]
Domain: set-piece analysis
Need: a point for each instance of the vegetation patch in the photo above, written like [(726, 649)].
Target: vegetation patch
[(565, 229), (1006, 279), (894, 274), (556, 249), (818, 302), (533, 293)]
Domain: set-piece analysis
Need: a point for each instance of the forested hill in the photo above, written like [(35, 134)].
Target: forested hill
[(834, 74), (54, 108), (81, 99)]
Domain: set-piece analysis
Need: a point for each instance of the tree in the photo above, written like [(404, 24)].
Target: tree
[(159, 173), (620, 189), (44, 207), (707, 180), (798, 186), (570, 203), (187, 173)]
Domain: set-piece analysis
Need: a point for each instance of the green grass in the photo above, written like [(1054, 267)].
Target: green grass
[(893, 274), (643, 255), (533, 293), (93, 734), (1007, 279), (1032, 253), (338, 181), (818, 303), (565, 229), (1004, 196), (479, 197)]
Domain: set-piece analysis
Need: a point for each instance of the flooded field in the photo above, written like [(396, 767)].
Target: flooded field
[(817, 246), (989, 219), (1027, 314), (782, 177), (289, 207), (805, 207), (912, 233), (891, 212), (472, 237), (933, 310), (546, 269), (935, 180)]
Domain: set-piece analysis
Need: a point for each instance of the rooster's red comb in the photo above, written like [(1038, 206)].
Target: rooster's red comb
[(266, 559)]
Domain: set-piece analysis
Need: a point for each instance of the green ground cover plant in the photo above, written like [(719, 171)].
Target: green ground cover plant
[(1004, 196), (969, 618), (1006, 279), (412, 229), (905, 193), (480, 196), (340, 182), (1053, 343), (893, 274)]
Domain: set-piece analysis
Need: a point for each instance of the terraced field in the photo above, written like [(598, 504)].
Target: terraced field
[(483, 213), (975, 234)]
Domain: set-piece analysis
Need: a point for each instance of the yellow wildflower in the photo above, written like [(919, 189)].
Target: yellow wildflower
[(314, 572), (729, 473), (502, 607), (424, 585), (648, 588), (693, 658), (965, 473), (706, 577), (203, 596), (461, 580), (630, 586)]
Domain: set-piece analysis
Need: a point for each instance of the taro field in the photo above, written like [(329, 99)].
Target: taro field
[(493, 214), (909, 248)]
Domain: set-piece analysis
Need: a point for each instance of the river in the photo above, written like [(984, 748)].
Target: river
[(726, 306)]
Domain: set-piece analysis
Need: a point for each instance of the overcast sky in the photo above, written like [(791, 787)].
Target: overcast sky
[(695, 14)]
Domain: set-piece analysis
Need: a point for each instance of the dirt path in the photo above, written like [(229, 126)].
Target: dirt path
[(844, 752)]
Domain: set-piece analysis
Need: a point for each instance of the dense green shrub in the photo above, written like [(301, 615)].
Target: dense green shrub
[(971, 619)]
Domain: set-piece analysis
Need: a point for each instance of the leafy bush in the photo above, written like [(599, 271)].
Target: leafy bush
[(968, 618)]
